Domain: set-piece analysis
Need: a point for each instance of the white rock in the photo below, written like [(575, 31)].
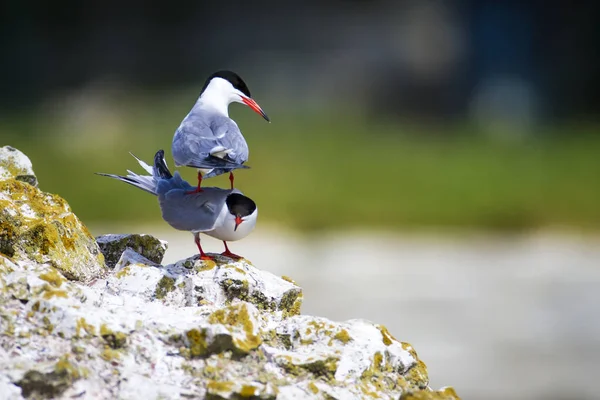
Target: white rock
[(14, 164), (190, 329), (113, 247)]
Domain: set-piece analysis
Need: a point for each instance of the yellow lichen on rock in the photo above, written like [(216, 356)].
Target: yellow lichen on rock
[(386, 335), (248, 391), (123, 272), (288, 279), (40, 227), (343, 336), (50, 292), (15, 164), (417, 376), (64, 365), (197, 342), (115, 340), (237, 317), (324, 368), (219, 388), (164, 286), (204, 265), (83, 325), (374, 380), (447, 393), (53, 277), (109, 354), (291, 303)]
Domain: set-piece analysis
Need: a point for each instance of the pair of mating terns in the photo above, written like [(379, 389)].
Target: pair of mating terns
[(211, 142)]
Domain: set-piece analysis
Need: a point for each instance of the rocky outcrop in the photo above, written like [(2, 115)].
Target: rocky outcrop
[(113, 246), (40, 227), (14, 164), (193, 329)]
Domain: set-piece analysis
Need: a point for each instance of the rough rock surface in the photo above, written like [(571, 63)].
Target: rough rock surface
[(112, 246), (193, 329), (14, 164), (40, 227), (222, 330)]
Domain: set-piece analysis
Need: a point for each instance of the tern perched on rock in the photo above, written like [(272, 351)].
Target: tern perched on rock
[(207, 138), (224, 214)]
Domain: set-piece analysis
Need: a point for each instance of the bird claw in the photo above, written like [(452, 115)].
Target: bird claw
[(197, 190), (231, 255), (206, 258)]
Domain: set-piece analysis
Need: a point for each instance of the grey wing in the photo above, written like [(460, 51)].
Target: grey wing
[(196, 212), (209, 140)]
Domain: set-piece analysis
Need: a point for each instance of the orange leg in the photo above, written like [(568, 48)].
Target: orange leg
[(231, 179), (198, 189), (203, 255), (228, 253)]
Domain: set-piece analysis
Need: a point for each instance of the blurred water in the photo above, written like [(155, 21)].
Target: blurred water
[(494, 317)]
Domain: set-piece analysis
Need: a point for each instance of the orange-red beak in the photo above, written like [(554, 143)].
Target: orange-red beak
[(238, 221), (254, 105)]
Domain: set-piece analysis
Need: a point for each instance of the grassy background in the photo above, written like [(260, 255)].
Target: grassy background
[(315, 172)]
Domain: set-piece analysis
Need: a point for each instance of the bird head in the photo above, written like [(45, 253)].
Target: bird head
[(225, 87), (241, 208)]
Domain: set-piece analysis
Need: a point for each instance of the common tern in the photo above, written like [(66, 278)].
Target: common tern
[(225, 214), (207, 139)]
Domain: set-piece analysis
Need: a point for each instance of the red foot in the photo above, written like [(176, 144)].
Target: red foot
[(206, 258), (231, 255), (197, 190), (231, 179)]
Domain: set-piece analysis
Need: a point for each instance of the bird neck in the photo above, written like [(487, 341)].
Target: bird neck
[(216, 99)]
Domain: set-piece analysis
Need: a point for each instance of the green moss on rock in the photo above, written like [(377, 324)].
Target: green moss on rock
[(323, 368), (38, 385), (164, 286), (291, 302), (235, 289), (417, 376), (115, 340), (113, 246), (40, 227)]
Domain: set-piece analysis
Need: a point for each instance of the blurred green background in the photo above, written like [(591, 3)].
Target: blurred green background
[(317, 171)]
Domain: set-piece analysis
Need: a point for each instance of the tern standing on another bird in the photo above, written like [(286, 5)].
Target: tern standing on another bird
[(224, 214), (207, 138)]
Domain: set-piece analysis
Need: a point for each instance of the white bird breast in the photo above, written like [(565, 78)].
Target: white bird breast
[(224, 229)]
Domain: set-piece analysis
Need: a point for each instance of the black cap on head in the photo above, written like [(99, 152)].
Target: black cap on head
[(238, 204), (233, 78)]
